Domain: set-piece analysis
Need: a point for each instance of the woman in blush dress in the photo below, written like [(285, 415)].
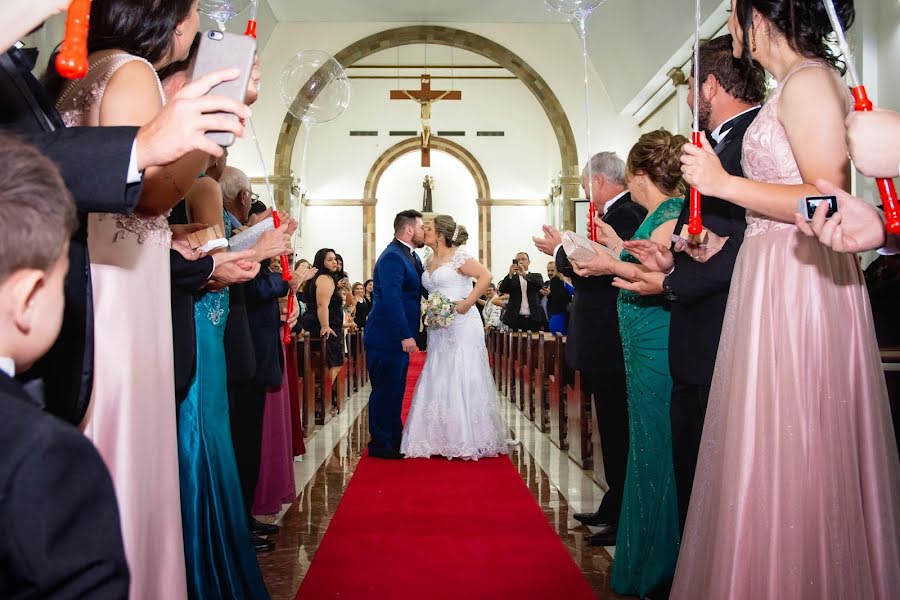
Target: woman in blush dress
[(132, 415), (797, 493)]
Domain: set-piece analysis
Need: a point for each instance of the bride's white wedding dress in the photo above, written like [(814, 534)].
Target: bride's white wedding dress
[(455, 412)]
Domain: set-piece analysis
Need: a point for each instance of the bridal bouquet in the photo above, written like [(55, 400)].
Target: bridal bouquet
[(439, 311)]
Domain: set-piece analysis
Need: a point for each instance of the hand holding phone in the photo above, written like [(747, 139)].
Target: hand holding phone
[(222, 50), (807, 206)]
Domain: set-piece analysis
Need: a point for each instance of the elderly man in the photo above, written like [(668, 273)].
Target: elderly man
[(593, 345)]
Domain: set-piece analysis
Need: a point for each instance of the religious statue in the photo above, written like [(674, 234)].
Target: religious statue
[(427, 186)]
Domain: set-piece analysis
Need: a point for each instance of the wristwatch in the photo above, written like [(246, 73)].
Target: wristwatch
[(667, 290)]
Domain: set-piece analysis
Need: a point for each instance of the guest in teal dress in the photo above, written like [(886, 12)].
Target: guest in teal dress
[(219, 553), (648, 538)]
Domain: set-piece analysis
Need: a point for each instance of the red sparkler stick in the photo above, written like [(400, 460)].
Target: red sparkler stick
[(286, 276), (72, 60)]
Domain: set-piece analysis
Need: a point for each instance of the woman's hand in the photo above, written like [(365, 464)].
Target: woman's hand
[(463, 306), (602, 263), (607, 236), (327, 332), (253, 84), (856, 227), (701, 252), (655, 257), (702, 169)]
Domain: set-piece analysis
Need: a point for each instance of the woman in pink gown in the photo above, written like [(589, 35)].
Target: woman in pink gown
[(131, 418), (796, 493)]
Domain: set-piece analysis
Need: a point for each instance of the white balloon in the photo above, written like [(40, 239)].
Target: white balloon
[(223, 10), (315, 87), (576, 8)]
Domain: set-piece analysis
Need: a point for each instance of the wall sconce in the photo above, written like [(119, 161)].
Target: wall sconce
[(677, 77)]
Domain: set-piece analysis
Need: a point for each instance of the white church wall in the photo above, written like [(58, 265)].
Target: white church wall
[(519, 165), (512, 228), (400, 188), (338, 227)]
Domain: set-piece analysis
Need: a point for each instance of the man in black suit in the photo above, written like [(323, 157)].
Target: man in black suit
[(102, 167), (58, 514), (698, 291), (593, 345), (523, 309)]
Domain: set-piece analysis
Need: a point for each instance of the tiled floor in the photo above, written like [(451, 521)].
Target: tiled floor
[(558, 485)]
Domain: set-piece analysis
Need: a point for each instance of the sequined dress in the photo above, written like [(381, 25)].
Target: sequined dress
[(131, 418), (797, 493), (647, 541), (221, 562)]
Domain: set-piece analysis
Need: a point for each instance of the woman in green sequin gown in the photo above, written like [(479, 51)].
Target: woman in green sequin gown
[(648, 539)]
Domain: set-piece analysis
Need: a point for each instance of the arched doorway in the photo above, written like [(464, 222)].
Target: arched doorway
[(407, 146), (457, 38)]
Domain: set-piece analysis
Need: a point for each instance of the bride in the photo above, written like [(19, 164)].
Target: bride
[(455, 412)]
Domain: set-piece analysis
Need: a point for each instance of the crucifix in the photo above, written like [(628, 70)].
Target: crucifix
[(425, 96)]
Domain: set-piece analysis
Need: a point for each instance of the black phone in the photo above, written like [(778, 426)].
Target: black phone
[(807, 205), (515, 262)]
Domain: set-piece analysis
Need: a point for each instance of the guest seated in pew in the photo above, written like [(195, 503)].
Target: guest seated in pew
[(594, 346)]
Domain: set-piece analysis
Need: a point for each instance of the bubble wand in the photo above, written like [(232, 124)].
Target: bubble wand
[(695, 220), (863, 104), (72, 60)]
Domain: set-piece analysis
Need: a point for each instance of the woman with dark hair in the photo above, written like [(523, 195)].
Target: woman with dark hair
[(797, 489), (132, 419), (324, 317), (363, 305)]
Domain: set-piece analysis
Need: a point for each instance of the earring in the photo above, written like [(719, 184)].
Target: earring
[(753, 43), (178, 33)]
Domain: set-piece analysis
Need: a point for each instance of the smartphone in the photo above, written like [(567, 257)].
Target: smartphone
[(515, 262), (807, 205), (223, 50)]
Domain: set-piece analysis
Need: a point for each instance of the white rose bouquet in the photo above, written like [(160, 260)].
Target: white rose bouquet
[(439, 311)]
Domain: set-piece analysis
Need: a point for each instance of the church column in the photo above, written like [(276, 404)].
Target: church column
[(571, 189), (484, 233), (369, 237)]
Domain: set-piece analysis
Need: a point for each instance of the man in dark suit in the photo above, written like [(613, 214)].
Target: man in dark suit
[(593, 345), (523, 309), (58, 514), (102, 167), (698, 290), (391, 330)]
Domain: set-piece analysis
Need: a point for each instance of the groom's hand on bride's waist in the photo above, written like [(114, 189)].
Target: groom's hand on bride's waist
[(409, 345)]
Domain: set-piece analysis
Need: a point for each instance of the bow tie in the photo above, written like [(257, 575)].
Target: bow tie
[(26, 58)]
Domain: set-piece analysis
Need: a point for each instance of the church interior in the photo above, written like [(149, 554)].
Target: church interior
[(485, 110)]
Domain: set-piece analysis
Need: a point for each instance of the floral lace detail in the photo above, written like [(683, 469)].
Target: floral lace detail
[(213, 304), (148, 230), (767, 155)]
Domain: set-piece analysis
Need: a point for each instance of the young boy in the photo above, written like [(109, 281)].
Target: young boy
[(58, 515)]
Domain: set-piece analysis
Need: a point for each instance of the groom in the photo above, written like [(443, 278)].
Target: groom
[(391, 330)]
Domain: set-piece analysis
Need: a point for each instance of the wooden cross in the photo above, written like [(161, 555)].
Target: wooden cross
[(425, 96)]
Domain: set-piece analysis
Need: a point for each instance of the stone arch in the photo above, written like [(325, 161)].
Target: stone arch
[(389, 156), (457, 38)]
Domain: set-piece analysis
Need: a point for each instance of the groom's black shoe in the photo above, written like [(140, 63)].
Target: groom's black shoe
[(388, 454), (262, 545), (605, 537), (593, 518)]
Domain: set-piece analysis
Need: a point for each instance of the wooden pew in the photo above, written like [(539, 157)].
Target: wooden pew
[(307, 383), (543, 356), (523, 381), (556, 394), (578, 423), (501, 382), (323, 389)]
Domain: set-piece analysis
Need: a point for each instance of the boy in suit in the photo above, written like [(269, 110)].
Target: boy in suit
[(58, 513)]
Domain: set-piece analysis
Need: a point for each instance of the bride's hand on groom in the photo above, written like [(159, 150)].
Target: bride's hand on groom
[(409, 345)]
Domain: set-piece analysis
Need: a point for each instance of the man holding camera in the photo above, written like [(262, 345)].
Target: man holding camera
[(523, 311)]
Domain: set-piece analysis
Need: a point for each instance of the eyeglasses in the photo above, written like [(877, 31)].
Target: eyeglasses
[(254, 197)]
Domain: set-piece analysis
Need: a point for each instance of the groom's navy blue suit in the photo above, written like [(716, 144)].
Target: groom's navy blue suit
[(396, 302)]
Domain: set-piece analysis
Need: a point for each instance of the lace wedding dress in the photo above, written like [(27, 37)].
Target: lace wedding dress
[(455, 412)]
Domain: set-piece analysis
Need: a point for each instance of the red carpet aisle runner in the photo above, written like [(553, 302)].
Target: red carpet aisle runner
[(434, 529)]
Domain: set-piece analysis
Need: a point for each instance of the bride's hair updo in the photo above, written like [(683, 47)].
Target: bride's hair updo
[(452, 232)]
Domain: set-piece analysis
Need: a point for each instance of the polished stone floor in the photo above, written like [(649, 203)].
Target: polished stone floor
[(333, 452)]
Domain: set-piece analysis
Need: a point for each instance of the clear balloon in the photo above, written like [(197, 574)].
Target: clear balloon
[(223, 10), (314, 87), (576, 8)]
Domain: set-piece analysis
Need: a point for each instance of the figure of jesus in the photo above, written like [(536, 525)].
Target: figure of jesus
[(425, 114)]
